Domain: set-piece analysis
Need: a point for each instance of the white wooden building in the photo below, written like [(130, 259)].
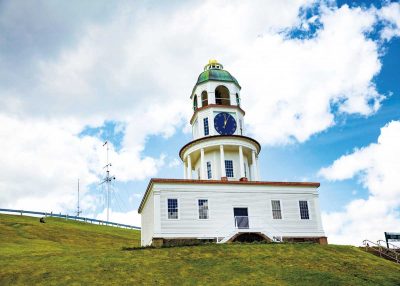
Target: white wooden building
[(221, 197)]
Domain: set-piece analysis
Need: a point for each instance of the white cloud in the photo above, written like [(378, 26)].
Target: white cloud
[(138, 67), (42, 160), (132, 69), (294, 84), (377, 166), (131, 217), (390, 14), (174, 163)]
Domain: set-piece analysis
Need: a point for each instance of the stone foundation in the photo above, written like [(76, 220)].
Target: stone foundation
[(239, 237), (320, 240), (159, 242)]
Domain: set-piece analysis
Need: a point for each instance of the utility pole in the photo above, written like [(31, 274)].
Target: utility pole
[(107, 180), (79, 211)]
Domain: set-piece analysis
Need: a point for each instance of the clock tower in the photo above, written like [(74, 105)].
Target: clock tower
[(219, 149), (221, 197)]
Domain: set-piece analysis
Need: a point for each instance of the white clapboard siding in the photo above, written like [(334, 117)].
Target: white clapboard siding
[(147, 219), (222, 199)]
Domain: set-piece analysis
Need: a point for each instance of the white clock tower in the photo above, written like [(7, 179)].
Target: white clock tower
[(221, 197), (219, 150)]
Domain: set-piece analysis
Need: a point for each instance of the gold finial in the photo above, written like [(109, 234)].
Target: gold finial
[(213, 64)]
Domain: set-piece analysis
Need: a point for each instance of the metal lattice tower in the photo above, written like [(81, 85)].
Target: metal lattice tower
[(107, 180), (78, 211)]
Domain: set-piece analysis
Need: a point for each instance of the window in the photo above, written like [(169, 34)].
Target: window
[(172, 208), (276, 209), (206, 128), (209, 173), (204, 98), (237, 99), (304, 210), (229, 168), (245, 170), (241, 126), (195, 103), (222, 95), (203, 209)]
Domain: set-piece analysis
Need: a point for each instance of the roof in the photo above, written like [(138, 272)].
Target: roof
[(219, 137), (221, 182), (214, 71), (216, 75)]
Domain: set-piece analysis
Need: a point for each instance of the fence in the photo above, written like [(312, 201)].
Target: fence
[(84, 219)]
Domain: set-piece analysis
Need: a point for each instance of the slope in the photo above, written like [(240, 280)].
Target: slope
[(62, 252)]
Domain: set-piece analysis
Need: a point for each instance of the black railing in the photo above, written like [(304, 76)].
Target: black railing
[(79, 218)]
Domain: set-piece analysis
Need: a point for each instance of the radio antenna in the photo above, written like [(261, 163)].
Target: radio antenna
[(79, 211), (107, 180)]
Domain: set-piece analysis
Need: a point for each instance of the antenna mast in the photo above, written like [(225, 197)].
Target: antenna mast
[(107, 180), (79, 211)]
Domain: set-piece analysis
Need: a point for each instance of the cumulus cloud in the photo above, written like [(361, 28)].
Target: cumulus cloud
[(377, 167), (130, 217), (391, 15), (42, 160), (137, 65), (298, 84)]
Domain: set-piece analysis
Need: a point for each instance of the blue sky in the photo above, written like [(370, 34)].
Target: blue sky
[(319, 86)]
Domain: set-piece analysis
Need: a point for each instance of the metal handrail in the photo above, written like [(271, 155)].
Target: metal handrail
[(388, 250), (388, 243), (380, 249), (83, 219)]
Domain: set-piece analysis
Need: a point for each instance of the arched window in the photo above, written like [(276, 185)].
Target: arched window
[(222, 95), (237, 100), (195, 102), (204, 98)]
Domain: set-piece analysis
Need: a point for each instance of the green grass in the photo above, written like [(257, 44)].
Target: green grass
[(64, 252)]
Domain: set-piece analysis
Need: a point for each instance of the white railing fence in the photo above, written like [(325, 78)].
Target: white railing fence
[(66, 216), (248, 224)]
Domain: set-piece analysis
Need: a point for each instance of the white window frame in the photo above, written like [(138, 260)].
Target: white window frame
[(233, 169), (272, 210), (198, 209), (211, 174), (205, 119), (308, 208), (179, 209)]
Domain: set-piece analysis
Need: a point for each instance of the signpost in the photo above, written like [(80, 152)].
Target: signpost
[(391, 236)]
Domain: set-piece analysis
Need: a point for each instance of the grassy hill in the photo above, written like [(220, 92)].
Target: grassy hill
[(64, 252)]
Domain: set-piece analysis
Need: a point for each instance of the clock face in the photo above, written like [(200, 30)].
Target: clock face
[(224, 123)]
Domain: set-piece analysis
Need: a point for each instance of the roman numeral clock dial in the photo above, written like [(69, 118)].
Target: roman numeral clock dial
[(224, 123)]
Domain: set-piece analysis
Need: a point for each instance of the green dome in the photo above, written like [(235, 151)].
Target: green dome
[(214, 71), (216, 75)]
